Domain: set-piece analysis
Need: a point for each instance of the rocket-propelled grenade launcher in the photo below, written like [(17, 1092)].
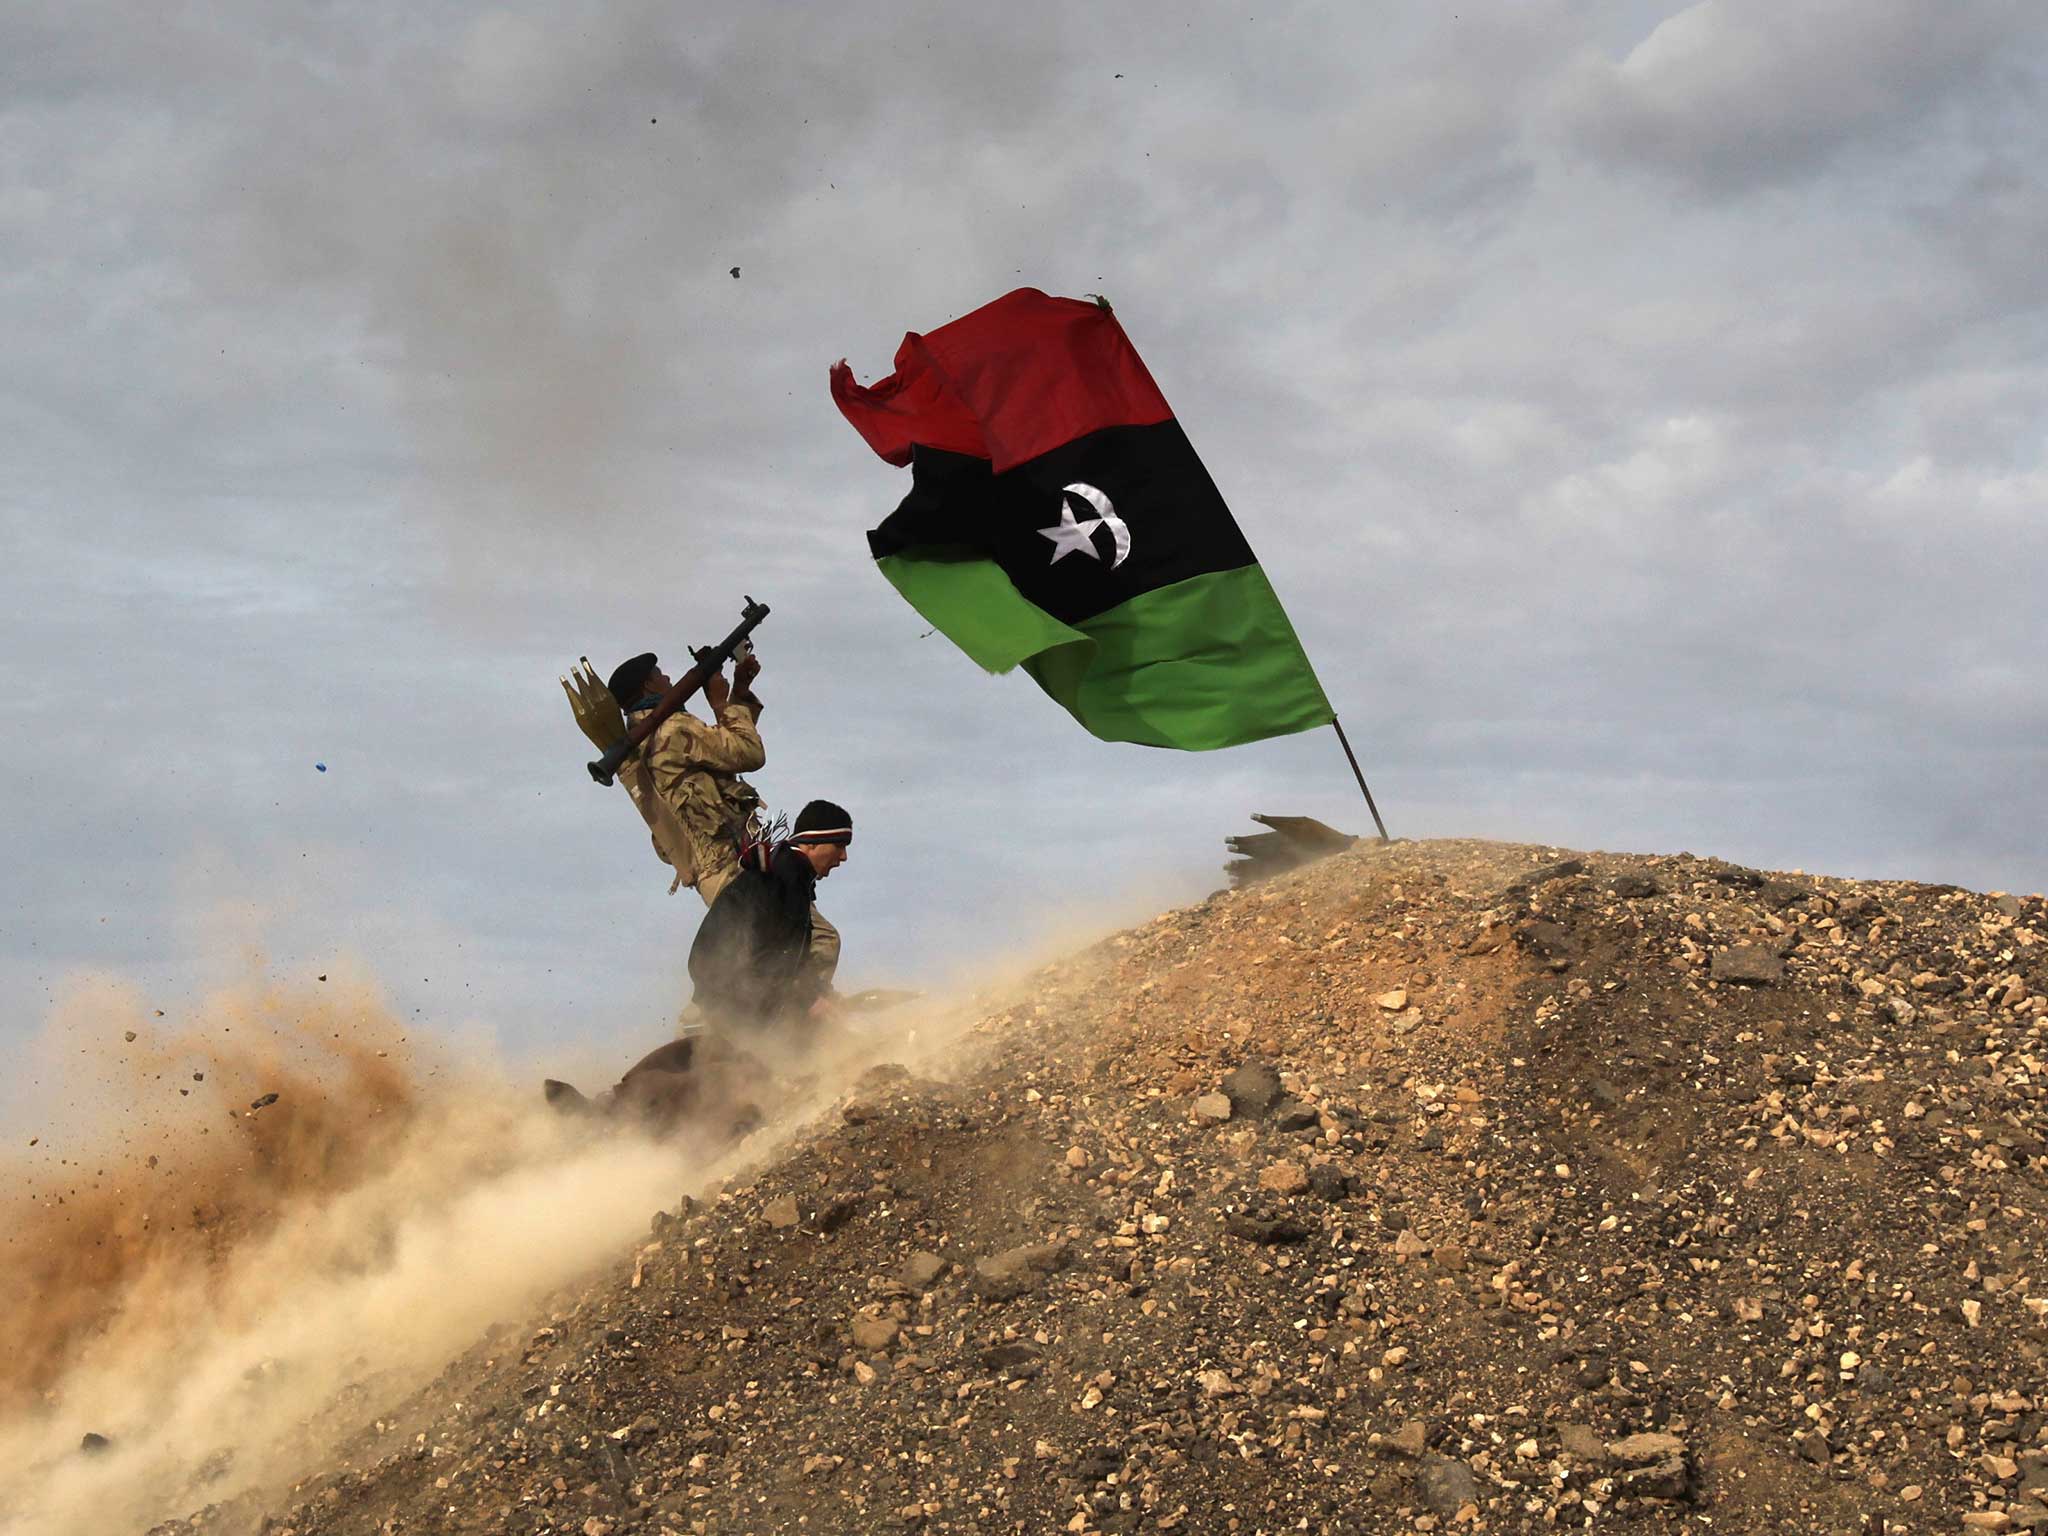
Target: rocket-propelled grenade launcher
[(709, 661)]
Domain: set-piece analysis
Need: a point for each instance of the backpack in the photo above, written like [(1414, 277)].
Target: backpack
[(757, 847)]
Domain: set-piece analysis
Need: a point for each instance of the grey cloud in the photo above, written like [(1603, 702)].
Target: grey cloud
[(362, 373), (1728, 96)]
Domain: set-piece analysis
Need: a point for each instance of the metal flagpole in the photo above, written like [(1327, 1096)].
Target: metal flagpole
[(1352, 757)]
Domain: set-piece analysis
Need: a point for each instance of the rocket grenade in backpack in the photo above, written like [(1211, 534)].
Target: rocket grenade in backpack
[(758, 847)]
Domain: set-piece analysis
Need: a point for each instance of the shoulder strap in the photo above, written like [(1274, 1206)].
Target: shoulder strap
[(669, 839)]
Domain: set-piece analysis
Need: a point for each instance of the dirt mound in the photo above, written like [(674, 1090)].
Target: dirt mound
[(1440, 1186)]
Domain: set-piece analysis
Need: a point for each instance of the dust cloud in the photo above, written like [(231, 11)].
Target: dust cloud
[(222, 1284), (226, 1287)]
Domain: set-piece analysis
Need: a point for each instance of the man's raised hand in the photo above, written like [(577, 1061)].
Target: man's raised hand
[(717, 692)]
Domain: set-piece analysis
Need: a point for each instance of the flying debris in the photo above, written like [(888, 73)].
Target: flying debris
[(1294, 841)]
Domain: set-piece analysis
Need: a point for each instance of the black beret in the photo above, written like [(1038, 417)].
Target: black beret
[(627, 678)]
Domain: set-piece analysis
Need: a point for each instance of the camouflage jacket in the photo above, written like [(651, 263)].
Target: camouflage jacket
[(696, 771)]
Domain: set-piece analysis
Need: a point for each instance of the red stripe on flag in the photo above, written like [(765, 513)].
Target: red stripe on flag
[(912, 405), (1014, 379)]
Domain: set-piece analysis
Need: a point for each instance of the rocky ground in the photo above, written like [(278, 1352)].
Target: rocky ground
[(1432, 1187)]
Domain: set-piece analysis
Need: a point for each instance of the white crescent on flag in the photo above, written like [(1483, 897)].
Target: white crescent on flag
[(1106, 510)]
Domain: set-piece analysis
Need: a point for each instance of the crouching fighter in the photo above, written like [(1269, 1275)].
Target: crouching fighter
[(756, 969)]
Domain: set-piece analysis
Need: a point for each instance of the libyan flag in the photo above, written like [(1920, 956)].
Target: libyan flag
[(1059, 520)]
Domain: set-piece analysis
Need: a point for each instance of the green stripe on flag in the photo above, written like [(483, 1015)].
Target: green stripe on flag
[(1203, 663), (975, 605)]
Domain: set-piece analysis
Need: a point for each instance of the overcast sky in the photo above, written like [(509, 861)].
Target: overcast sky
[(1639, 408)]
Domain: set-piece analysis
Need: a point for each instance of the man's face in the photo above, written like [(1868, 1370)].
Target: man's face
[(824, 857), (658, 681)]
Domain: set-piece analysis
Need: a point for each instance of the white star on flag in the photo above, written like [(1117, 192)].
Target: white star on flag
[(1069, 536)]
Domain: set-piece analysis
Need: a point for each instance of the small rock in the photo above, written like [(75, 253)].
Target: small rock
[(1633, 887), (265, 1102), (1640, 1450), (1749, 965), (836, 1213), (1267, 1230), (1489, 939), (1562, 870), (1410, 1440), (1582, 1444), (1216, 1383), (921, 1271), (1326, 1181), (1077, 1157), (1293, 1115), (1253, 1088), (1284, 1178), (873, 1331), (1446, 1485), (1005, 1276), (781, 1212), (1394, 1001), (1813, 1445), (1670, 1478), (1548, 941), (1212, 1106), (94, 1443), (129, 1036)]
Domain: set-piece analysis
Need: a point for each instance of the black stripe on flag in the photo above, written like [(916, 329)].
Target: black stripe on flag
[(1062, 549)]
